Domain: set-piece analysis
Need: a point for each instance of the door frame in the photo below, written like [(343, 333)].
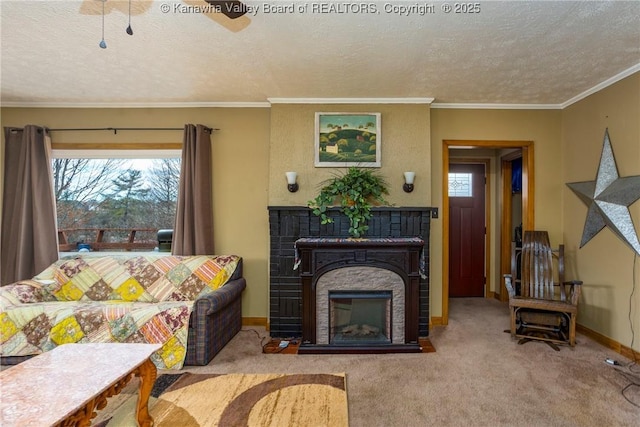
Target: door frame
[(527, 200), (487, 213)]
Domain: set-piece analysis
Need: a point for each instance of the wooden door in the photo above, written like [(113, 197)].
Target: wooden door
[(467, 230)]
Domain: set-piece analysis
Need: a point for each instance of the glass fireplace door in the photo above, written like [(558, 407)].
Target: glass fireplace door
[(359, 317)]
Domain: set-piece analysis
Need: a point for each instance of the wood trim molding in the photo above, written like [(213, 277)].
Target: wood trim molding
[(116, 146), (435, 321), (528, 187), (350, 100), (255, 321), (505, 231), (445, 233), (614, 345)]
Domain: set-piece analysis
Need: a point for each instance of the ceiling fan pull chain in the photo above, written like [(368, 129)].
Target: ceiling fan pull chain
[(129, 29), (103, 44)]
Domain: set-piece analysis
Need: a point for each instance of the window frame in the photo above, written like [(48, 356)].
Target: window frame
[(114, 151)]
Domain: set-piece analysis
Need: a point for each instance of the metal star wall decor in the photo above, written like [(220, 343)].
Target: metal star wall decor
[(608, 199)]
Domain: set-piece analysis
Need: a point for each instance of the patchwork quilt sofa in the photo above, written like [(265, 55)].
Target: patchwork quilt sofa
[(189, 304)]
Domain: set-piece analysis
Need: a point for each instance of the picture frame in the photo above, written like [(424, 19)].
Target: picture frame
[(348, 139)]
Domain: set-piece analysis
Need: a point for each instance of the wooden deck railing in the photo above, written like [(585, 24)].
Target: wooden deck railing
[(107, 238)]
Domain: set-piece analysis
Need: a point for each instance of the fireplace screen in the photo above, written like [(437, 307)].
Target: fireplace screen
[(359, 317)]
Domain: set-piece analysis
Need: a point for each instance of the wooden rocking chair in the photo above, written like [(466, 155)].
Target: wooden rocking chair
[(543, 306)]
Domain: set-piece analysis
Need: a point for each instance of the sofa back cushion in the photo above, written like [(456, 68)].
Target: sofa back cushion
[(144, 278)]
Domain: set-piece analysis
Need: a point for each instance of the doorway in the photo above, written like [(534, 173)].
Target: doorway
[(512, 216), (527, 209), (467, 228)]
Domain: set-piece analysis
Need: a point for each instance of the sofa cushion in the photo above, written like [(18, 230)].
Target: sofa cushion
[(93, 279), (188, 278), (28, 329), (146, 278)]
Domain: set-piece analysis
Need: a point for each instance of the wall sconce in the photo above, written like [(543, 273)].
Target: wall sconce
[(292, 185), (408, 181)]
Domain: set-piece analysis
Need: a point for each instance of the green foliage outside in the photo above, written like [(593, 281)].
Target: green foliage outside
[(104, 194)]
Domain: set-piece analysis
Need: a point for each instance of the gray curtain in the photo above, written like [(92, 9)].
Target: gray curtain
[(29, 240), (193, 230)]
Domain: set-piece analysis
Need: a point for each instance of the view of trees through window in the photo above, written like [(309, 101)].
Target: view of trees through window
[(117, 195)]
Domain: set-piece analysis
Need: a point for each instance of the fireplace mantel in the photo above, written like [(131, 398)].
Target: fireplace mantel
[(317, 256), (290, 223)]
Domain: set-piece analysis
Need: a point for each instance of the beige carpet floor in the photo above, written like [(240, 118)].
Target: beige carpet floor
[(478, 376)]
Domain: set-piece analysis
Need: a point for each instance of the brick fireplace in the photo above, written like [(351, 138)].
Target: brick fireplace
[(287, 224)]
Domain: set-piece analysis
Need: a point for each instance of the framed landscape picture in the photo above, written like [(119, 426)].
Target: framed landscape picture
[(347, 139)]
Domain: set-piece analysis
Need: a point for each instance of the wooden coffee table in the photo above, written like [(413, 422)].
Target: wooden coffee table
[(65, 386)]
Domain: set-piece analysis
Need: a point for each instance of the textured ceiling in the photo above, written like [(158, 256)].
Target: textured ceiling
[(506, 52)]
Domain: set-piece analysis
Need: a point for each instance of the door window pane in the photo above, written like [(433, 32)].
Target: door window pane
[(460, 185)]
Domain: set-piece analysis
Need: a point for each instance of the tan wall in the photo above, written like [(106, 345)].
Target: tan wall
[(240, 164), (540, 126), (405, 145), (605, 263)]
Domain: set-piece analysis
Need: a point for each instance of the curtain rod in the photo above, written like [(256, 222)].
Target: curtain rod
[(115, 130)]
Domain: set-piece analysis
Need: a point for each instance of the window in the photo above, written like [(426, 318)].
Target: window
[(114, 200), (460, 185)]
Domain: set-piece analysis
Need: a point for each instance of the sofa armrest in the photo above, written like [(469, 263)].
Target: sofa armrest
[(237, 274), (216, 318), (220, 298), (25, 292)]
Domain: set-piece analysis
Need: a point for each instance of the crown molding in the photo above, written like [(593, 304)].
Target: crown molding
[(604, 84), (270, 101), (496, 106), (136, 105), (350, 100)]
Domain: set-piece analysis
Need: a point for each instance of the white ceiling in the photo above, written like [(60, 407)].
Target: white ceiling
[(540, 53)]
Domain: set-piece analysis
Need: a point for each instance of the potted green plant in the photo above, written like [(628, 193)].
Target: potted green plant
[(355, 191)]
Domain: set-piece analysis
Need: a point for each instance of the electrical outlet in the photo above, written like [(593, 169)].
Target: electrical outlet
[(434, 212)]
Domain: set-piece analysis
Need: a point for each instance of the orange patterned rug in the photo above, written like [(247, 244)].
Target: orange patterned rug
[(188, 400)]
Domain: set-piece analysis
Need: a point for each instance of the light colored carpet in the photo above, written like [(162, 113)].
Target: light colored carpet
[(201, 400), (477, 377)]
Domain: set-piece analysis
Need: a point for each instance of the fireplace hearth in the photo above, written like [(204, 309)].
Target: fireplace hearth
[(359, 295)]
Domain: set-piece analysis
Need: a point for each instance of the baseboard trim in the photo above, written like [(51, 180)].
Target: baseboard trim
[(614, 345), (255, 321), (435, 321), (604, 340)]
